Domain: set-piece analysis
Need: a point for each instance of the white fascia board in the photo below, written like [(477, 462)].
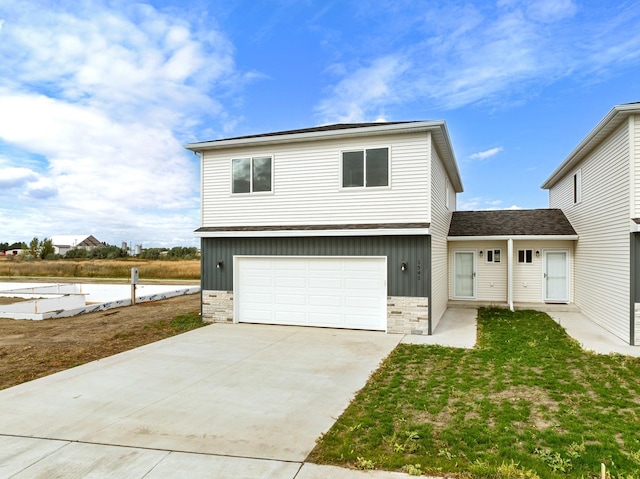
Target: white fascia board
[(310, 233), (611, 121), (313, 135), (515, 238)]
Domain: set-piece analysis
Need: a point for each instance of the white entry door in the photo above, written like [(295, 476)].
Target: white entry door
[(556, 276), (335, 292), (464, 279)]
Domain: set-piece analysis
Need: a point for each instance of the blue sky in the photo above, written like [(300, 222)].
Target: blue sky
[(97, 98)]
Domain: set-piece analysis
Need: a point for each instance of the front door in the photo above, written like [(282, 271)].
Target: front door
[(556, 276), (464, 278)]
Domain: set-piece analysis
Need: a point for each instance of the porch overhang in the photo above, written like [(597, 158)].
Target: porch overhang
[(515, 238)]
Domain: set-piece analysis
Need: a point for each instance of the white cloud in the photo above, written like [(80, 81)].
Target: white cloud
[(483, 155), (368, 86), (102, 100), (478, 203), (495, 54)]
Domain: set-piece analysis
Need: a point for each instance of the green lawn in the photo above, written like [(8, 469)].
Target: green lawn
[(526, 402)]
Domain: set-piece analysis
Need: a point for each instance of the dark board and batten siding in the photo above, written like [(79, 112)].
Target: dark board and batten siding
[(413, 250)]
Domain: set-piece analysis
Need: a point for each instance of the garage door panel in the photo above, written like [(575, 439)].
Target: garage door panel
[(284, 300), (326, 319), (325, 300), (291, 282), (316, 291)]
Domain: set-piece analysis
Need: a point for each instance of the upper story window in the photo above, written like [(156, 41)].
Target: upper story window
[(251, 175), (365, 168), (577, 187)]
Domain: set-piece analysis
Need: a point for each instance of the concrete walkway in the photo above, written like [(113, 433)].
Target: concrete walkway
[(592, 336)]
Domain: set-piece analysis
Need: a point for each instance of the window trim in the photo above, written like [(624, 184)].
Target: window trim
[(577, 187), (251, 158), (364, 150), (524, 252), (492, 252)]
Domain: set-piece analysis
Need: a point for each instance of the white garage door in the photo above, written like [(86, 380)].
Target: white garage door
[(312, 291)]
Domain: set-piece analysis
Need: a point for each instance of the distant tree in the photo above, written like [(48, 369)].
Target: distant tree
[(18, 245), (4, 246), (46, 248), (76, 253), (34, 248)]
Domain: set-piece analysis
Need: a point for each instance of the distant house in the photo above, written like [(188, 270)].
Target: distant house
[(64, 243), (598, 188), (12, 252)]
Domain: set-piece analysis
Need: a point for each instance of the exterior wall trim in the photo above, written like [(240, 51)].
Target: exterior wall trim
[(311, 233), (514, 238)]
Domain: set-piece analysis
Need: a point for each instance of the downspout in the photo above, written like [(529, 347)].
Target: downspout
[(510, 273)]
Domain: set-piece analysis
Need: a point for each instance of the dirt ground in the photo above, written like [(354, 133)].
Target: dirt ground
[(32, 349)]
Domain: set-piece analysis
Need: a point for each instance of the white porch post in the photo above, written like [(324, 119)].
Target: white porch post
[(510, 273)]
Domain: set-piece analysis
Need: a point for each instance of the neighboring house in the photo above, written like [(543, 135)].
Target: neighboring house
[(504, 257), (598, 188), (339, 226), (12, 252), (64, 243)]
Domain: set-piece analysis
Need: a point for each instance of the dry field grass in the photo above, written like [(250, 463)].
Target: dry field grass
[(100, 268)]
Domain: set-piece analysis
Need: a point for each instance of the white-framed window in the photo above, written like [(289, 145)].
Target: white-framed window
[(525, 256), (577, 187), (493, 256), (252, 175), (365, 168)]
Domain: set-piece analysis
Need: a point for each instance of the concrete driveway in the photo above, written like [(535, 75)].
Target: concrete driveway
[(221, 401)]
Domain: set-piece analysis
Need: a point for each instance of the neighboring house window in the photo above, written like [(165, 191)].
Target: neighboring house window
[(251, 175), (493, 256), (577, 186), (525, 256), (365, 168)]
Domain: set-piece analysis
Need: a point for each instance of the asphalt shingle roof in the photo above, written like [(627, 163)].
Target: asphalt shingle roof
[(337, 126), (542, 222)]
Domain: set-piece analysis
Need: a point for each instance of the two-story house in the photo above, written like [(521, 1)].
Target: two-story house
[(598, 188), (338, 226)]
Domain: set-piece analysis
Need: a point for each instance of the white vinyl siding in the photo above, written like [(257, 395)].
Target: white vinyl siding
[(307, 188), (635, 155), (440, 221), (527, 277), (491, 278), (601, 220), (528, 281)]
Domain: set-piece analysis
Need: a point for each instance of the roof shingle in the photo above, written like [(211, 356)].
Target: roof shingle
[(540, 222)]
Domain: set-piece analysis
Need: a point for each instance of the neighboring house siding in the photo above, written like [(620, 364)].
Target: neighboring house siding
[(440, 221), (634, 127), (601, 220), (414, 250), (307, 190)]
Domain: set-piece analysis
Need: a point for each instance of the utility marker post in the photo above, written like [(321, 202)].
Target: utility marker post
[(134, 281)]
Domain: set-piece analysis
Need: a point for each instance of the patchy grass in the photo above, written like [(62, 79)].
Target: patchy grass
[(526, 402)]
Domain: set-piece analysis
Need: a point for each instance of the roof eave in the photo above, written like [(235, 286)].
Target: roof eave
[(514, 237), (611, 121)]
